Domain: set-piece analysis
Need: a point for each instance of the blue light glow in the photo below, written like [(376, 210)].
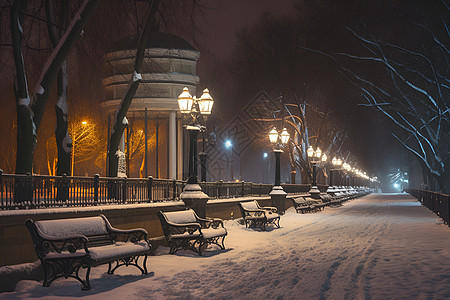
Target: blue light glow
[(265, 155), (228, 144)]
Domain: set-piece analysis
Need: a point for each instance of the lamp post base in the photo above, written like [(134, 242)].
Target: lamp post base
[(194, 198), (278, 199), (314, 192)]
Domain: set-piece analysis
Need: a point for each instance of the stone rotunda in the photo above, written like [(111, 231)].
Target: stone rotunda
[(154, 137)]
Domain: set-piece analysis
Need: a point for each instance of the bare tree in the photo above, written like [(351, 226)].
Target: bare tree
[(119, 125), (30, 109), (406, 81), (63, 140)]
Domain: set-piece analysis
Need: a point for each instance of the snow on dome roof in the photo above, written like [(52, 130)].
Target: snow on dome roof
[(156, 40)]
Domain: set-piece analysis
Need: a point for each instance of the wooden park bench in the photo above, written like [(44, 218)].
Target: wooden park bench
[(66, 245), (255, 215), (185, 230)]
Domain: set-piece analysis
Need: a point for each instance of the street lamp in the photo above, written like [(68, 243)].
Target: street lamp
[(336, 162), (317, 158), (347, 168), (192, 194), (278, 141), (79, 134), (278, 195)]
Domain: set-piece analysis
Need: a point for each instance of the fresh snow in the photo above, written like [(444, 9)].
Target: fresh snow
[(382, 246), (24, 101), (40, 90), (181, 217), (136, 76), (67, 142)]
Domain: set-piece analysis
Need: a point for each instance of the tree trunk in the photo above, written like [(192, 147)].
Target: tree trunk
[(29, 113), (119, 126), (63, 140)]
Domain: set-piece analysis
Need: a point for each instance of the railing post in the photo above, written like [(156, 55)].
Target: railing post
[(96, 184), (243, 189), (174, 189), (149, 188), (218, 185), (29, 188), (124, 190)]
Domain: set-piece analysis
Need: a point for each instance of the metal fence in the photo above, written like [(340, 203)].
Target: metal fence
[(42, 191), (436, 202)]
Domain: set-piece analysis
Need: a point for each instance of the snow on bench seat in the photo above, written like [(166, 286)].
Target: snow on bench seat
[(184, 230), (65, 246)]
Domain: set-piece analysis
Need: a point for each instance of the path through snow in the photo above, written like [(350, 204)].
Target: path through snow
[(382, 246)]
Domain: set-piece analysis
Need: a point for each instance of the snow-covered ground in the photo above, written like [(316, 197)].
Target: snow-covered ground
[(382, 246)]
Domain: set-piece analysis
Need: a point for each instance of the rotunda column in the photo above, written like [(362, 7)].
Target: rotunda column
[(172, 145)]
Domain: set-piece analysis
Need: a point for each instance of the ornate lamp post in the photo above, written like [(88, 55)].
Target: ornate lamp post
[(336, 162), (347, 168), (192, 195), (278, 195), (317, 158)]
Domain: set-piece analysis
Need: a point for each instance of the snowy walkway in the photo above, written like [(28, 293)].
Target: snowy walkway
[(381, 246)]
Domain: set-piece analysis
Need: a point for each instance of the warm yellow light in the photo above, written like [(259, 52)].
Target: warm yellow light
[(310, 151), (324, 157), (205, 103), (273, 136), (84, 122), (185, 101), (318, 153), (284, 136)]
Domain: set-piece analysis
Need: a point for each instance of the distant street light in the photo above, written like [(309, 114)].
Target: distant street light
[(229, 145), (317, 157), (79, 134), (337, 163)]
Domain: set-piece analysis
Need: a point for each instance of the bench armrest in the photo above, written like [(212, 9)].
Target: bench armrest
[(255, 212), (70, 243), (210, 222), (133, 235), (271, 208), (175, 228)]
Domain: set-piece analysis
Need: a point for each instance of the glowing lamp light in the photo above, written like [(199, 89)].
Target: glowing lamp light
[(84, 122), (228, 144), (284, 136), (346, 166), (205, 103), (324, 157), (336, 161), (318, 153), (185, 101), (310, 151), (273, 136), (265, 155)]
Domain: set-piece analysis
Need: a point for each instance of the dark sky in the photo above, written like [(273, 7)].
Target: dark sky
[(235, 15)]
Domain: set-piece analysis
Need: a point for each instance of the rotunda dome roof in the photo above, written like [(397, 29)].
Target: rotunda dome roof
[(156, 40)]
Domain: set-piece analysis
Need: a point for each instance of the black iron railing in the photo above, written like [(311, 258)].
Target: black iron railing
[(436, 202), (42, 191)]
